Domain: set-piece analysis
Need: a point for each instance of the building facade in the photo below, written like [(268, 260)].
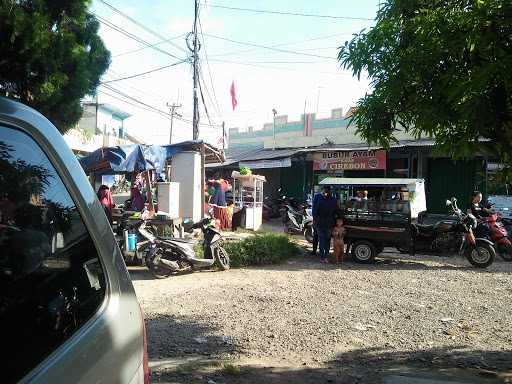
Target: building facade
[(308, 132), (101, 125)]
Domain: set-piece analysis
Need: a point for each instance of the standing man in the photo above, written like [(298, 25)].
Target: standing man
[(316, 199), (323, 217)]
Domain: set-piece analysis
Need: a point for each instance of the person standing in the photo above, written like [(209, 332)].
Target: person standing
[(323, 216), (316, 198)]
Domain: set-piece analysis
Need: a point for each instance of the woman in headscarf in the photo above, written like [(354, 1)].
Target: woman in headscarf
[(137, 200), (218, 201), (105, 198)]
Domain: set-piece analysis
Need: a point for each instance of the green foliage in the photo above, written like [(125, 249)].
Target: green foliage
[(51, 56), (438, 69), (245, 171), (261, 249)]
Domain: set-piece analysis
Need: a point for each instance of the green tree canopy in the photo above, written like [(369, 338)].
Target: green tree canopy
[(438, 68), (51, 56)]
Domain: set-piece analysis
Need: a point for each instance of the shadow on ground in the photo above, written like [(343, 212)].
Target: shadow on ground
[(389, 262), (365, 366)]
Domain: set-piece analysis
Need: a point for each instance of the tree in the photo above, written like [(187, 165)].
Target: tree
[(440, 69), (51, 56)]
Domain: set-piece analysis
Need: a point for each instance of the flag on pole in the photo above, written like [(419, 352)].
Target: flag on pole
[(234, 102)]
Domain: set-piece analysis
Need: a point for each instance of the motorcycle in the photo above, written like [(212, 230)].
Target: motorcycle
[(453, 235), (164, 257), (492, 228), (299, 220)]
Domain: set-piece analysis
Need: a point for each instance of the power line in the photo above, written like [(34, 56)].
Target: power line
[(287, 13), (270, 48), (145, 73), (152, 45), (135, 100), (209, 71), (130, 84), (132, 36), (130, 103), (251, 64), (147, 29), (323, 37)]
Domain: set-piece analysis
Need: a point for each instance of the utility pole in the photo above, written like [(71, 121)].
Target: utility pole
[(223, 136), (274, 112), (173, 108), (195, 119)]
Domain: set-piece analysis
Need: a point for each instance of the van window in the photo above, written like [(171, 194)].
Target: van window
[(51, 280)]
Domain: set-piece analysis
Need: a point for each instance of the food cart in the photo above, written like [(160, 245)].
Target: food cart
[(248, 195), (383, 220)]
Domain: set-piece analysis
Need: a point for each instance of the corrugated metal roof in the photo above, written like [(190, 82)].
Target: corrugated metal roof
[(236, 155)]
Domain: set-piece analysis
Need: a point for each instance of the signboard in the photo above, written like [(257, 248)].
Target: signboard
[(261, 164), (349, 160)]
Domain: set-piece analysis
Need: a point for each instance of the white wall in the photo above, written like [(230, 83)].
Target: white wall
[(186, 170)]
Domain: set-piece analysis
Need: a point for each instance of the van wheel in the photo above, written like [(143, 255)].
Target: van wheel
[(364, 252)]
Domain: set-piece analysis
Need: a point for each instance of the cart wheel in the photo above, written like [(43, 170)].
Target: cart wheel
[(364, 252)]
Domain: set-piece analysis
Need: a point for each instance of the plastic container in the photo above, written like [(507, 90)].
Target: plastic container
[(132, 242)]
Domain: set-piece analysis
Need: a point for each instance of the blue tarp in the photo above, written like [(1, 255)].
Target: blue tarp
[(133, 158), (120, 159)]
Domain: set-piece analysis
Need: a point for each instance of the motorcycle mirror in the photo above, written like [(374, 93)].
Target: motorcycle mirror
[(448, 203)]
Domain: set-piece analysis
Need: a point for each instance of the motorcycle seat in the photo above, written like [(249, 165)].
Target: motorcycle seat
[(425, 227)]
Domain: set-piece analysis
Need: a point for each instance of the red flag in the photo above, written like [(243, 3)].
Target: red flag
[(233, 95)]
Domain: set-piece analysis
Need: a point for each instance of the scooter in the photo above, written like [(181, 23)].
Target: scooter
[(299, 220), (170, 256), (454, 235), (491, 227)]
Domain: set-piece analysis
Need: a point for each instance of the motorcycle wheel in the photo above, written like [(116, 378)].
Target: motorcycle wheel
[(221, 258), (481, 256), (159, 272), (308, 233), (156, 270)]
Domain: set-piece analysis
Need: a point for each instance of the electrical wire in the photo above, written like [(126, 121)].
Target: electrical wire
[(117, 91), (147, 72), (323, 37), (152, 45), (132, 104), (132, 36), (209, 70), (147, 29), (252, 10), (204, 103), (129, 84), (251, 64), (271, 48)]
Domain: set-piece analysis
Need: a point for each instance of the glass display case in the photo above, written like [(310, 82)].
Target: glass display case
[(248, 194)]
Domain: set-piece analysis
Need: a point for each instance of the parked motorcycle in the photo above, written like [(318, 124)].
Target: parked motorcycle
[(168, 256), (453, 235), (299, 220), (492, 228)]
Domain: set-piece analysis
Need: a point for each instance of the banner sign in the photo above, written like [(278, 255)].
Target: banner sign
[(260, 164), (349, 160)]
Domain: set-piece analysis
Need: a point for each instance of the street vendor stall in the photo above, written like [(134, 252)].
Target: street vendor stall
[(248, 195)]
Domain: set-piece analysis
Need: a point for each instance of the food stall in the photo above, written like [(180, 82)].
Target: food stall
[(248, 195)]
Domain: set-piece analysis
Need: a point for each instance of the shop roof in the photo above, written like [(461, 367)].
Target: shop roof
[(361, 181), (236, 155)]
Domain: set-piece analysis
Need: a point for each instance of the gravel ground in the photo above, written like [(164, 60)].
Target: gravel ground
[(307, 322)]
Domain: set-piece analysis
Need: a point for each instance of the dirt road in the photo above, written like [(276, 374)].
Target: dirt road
[(307, 322)]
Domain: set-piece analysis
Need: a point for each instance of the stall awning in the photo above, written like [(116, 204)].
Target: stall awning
[(362, 181), (265, 164), (139, 158)]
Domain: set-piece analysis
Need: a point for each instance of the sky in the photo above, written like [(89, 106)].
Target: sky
[(305, 77)]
